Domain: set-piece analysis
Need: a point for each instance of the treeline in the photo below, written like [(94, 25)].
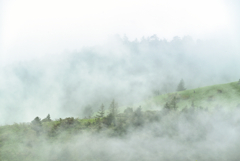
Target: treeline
[(105, 118), (109, 120), (40, 134)]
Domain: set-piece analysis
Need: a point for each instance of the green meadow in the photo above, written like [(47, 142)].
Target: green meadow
[(215, 96)]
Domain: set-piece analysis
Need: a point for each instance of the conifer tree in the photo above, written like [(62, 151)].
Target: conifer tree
[(47, 119), (36, 121), (138, 119), (181, 86), (101, 112), (36, 125), (113, 111)]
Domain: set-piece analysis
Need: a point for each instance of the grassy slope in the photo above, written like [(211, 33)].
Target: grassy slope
[(221, 95), (18, 141)]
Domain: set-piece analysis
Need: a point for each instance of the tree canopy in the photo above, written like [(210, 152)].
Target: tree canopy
[(180, 86)]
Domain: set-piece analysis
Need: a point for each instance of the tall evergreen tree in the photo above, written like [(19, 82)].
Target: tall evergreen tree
[(181, 86), (101, 112), (113, 109), (36, 121), (47, 119), (138, 119), (36, 125)]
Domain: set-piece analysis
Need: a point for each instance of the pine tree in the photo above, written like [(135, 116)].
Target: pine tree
[(181, 86), (137, 118), (36, 125), (101, 112), (113, 109), (36, 121), (172, 105), (47, 119)]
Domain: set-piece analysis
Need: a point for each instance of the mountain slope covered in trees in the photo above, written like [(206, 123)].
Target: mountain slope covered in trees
[(164, 116)]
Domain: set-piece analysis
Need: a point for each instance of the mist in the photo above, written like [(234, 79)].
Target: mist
[(63, 85), (58, 58), (193, 135)]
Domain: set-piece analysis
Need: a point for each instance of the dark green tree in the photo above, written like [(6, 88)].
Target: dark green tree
[(113, 108), (180, 86), (101, 112), (100, 116), (47, 119), (113, 111), (172, 105), (36, 121), (36, 125), (108, 120), (137, 118)]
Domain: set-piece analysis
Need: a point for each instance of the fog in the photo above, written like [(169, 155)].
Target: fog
[(194, 135), (59, 57), (127, 71), (31, 29)]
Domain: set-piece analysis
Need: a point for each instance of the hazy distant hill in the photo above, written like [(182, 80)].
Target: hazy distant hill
[(221, 95), (179, 127)]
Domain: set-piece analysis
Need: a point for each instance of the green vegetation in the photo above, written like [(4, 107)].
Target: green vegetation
[(216, 96), (21, 141), (181, 86), (15, 138)]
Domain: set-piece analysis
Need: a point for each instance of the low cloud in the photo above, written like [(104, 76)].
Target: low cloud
[(127, 71)]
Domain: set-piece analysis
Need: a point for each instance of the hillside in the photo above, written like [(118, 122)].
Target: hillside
[(221, 95), (48, 139)]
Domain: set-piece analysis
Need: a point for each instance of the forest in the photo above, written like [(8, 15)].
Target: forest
[(174, 122)]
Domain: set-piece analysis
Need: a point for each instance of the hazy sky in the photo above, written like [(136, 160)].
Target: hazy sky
[(31, 29)]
